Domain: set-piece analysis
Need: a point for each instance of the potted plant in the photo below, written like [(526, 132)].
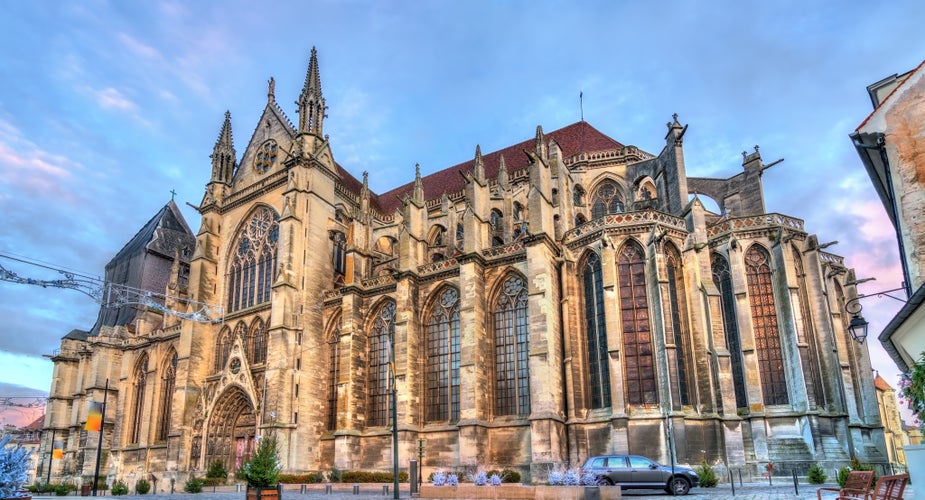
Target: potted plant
[(912, 391), (14, 462), (261, 471)]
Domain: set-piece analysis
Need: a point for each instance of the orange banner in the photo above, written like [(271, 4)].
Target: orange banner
[(94, 417)]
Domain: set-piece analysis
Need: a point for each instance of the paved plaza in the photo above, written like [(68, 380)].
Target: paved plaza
[(746, 491)]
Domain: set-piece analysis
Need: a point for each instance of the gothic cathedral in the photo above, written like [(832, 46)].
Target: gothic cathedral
[(563, 297)]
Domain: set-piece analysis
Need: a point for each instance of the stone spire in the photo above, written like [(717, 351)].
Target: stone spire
[(418, 195), (223, 154), (479, 166), (502, 174), (539, 144), (311, 102), (271, 90)]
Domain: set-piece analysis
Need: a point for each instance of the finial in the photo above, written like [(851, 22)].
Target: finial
[(271, 89), (417, 170), (365, 179), (756, 148), (675, 116), (744, 154), (173, 194)]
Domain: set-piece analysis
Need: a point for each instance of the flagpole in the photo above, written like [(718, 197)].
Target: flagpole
[(99, 444)]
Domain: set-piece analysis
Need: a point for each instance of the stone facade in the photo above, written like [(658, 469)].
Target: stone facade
[(563, 297)]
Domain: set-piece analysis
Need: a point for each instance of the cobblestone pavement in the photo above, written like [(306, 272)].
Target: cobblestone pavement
[(746, 491)]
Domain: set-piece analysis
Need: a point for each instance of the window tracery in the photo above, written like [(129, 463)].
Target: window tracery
[(639, 361), (764, 318), (596, 334), (253, 264), (169, 383), (723, 279), (140, 378), (266, 156), (333, 375), (380, 346), (512, 349), (443, 351), (606, 200)]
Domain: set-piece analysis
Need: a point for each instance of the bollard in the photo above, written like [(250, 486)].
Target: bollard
[(413, 475), (385, 490), (327, 489), (732, 481), (356, 489), (302, 489), (237, 488), (796, 485)]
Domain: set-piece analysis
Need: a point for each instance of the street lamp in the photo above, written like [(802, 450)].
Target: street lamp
[(857, 327)]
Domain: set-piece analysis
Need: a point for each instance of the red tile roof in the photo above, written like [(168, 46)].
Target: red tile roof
[(882, 384), (574, 138)]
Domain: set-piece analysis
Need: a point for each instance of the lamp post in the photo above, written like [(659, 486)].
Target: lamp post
[(394, 394), (857, 327)]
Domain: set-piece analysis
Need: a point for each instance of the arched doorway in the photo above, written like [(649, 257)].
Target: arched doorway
[(232, 428)]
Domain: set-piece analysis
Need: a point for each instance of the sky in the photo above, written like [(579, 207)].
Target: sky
[(106, 107)]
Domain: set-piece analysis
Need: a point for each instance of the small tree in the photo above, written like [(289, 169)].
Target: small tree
[(262, 470), (217, 474), (707, 475), (816, 475), (193, 485), (142, 487), (119, 489), (14, 461)]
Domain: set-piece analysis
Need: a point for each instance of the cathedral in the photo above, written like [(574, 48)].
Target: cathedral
[(563, 297)]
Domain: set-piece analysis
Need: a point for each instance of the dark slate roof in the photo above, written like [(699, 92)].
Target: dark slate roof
[(160, 234), (575, 138), (77, 335)]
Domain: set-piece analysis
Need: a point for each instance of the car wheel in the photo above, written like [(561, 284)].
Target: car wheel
[(678, 486), (604, 481)]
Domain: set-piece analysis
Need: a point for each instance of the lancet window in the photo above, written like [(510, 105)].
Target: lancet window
[(764, 319), (677, 302), (606, 200), (380, 349), (512, 349), (808, 351), (639, 362), (333, 375), (253, 263), (723, 279), (596, 330), (257, 342), (442, 369), (168, 384), (222, 348), (140, 379)]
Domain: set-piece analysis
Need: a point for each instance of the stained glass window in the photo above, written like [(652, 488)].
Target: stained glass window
[(606, 200), (380, 345), (333, 375), (638, 359), (764, 318), (169, 383), (723, 279), (512, 349), (140, 382), (222, 348), (677, 302), (253, 264), (442, 371), (596, 330), (266, 157), (257, 342)]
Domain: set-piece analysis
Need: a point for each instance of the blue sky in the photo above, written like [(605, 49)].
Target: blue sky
[(105, 107)]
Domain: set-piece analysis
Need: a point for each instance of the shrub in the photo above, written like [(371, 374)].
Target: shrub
[(438, 478), (262, 469), (336, 475), (480, 478), (142, 487), (373, 477), (119, 489), (62, 489), (510, 476), (843, 476), (816, 475), (494, 480), (707, 475), (308, 478), (217, 473), (452, 480), (193, 485), (556, 478)]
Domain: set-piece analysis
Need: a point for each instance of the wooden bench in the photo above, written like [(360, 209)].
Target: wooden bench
[(887, 488), (858, 484)]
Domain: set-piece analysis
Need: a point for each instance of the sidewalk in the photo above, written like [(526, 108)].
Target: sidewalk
[(747, 491)]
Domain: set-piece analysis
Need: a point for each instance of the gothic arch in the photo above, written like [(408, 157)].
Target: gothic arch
[(441, 355), (333, 346), (231, 428), (380, 326), (257, 339), (768, 345), (645, 189), (139, 386), (638, 349), (510, 331), (594, 344), (251, 259), (168, 372), (223, 342)]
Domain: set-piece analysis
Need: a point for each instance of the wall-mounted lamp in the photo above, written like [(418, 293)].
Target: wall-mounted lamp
[(857, 327)]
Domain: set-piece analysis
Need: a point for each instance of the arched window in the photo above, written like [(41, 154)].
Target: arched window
[(495, 218), (580, 219), (497, 242), (460, 236), (442, 373), (596, 329), (578, 195), (677, 302), (333, 375), (140, 379), (438, 236), (606, 200), (512, 349), (637, 336), (518, 211), (253, 263), (809, 357), (380, 348), (169, 383), (222, 348), (723, 279), (339, 252), (764, 318), (257, 342)]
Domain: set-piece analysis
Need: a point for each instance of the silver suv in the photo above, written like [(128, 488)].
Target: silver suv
[(634, 471)]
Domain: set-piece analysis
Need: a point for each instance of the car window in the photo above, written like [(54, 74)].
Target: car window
[(640, 462), (598, 462), (616, 462)]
